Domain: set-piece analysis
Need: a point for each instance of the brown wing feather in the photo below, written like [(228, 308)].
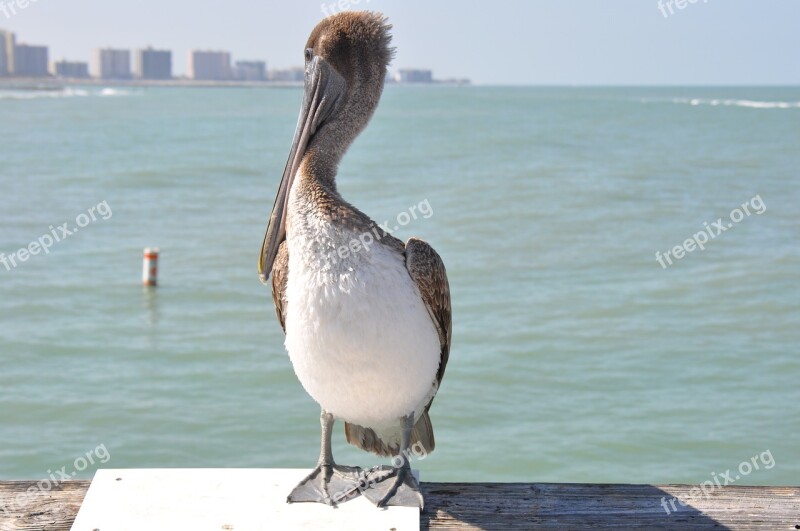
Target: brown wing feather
[(280, 278), (427, 270)]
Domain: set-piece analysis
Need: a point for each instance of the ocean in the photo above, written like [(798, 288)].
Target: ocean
[(597, 337)]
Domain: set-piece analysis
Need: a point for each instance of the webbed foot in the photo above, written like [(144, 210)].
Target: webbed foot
[(328, 484), (393, 487)]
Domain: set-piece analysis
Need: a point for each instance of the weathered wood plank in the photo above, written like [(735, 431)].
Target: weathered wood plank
[(578, 506), (502, 506), (38, 509)]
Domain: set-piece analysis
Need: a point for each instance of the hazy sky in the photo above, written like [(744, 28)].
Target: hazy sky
[(501, 42)]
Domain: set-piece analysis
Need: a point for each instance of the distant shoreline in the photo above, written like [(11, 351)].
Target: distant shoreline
[(39, 83)]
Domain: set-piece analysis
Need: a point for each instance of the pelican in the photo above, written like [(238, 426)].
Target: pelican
[(367, 319)]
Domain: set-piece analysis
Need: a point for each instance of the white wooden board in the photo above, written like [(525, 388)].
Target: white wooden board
[(222, 499)]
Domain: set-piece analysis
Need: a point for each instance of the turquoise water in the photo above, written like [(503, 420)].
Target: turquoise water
[(576, 356)]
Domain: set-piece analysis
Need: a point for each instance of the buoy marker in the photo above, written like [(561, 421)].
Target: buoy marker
[(150, 266)]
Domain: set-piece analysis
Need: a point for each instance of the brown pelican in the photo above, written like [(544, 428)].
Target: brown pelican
[(367, 319)]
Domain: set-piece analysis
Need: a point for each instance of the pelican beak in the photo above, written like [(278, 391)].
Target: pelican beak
[(324, 91)]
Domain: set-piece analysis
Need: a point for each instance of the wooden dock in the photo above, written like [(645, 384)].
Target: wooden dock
[(512, 506)]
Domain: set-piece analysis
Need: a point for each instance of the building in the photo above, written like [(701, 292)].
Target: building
[(70, 69), (152, 64), (7, 44), (250, 71), (108, 63), (30, 61), (410, 75), (209, 65), (291, 75)]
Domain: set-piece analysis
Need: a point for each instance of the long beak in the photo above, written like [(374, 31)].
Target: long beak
[(324, 89)]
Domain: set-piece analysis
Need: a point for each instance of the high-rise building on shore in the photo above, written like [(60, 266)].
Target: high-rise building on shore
[(250, 71), (70, 69), (152, 64), (294, 75), (109, 63), (7, 44), (410, 75), (209, 65), (30, 61)]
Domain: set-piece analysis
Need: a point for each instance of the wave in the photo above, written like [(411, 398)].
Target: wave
[(35, 94), (66, 92), (112, 92), (738, 103)]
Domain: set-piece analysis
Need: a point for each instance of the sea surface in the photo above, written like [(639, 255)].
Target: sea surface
[(576, 356)]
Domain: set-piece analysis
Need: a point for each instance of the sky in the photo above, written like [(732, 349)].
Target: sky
[(514, 42)]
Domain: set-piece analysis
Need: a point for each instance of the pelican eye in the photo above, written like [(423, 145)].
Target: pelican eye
[(309, 54)]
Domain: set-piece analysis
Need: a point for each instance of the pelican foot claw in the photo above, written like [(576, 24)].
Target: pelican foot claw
[(393, 487), (328, 484)]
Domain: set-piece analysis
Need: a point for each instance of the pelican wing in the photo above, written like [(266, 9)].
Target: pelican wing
[(280, 278), (427, 271)]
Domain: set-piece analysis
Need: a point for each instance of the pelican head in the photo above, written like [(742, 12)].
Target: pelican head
[(346, 57)]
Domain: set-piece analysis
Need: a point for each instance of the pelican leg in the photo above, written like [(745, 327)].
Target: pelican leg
[(328, 483), (396, 485)]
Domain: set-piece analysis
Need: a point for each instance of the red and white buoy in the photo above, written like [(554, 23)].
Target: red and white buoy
[(150, 266)]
